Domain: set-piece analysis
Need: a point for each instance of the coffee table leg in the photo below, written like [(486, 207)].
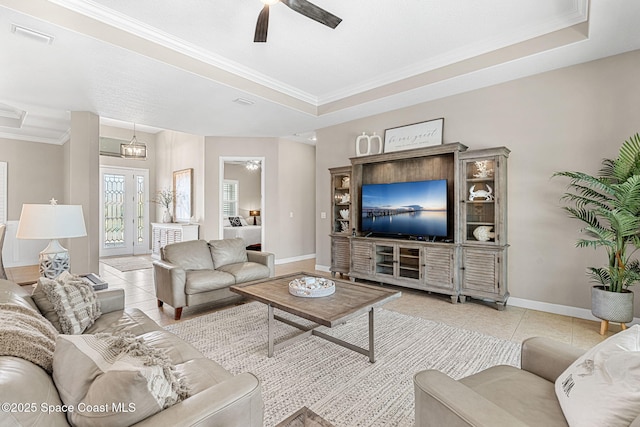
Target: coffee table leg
[(271, 327), (372, 357)]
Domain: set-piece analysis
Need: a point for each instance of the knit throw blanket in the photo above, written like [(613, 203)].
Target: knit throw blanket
[(24, 333)]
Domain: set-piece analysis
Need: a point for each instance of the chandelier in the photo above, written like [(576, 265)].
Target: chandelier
[(253, 165), (134, 149)]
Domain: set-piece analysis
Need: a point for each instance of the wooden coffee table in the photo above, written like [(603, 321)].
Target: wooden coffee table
[(349, 300)]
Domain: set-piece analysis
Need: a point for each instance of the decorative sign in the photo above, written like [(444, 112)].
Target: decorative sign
[(413, 136)]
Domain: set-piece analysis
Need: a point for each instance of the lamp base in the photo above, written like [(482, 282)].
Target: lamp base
[(53, 260)]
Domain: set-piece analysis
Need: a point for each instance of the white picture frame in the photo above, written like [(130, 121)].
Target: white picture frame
[(417, 135)]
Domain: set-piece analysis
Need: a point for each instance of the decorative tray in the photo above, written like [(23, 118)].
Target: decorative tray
[(312, 287)]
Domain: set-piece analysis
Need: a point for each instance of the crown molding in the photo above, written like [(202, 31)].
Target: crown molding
[(577, 14), (138, 28)]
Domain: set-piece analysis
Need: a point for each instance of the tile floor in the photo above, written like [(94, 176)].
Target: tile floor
[(513, 323)]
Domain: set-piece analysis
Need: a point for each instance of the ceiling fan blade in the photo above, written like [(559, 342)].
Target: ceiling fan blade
[(312, 11), (262, 25)]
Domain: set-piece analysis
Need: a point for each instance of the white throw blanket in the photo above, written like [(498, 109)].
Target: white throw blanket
[(26, 334)]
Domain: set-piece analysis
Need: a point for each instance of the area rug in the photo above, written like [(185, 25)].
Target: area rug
[(128, 263), (338, 384)]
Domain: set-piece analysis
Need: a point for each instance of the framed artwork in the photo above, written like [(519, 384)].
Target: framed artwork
[(183, 191), (417, 135)]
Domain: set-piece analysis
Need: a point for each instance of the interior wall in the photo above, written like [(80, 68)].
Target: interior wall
[(177, 151), (280, 193), (29, 163), (250, 197), (296, 182), (567, 119)]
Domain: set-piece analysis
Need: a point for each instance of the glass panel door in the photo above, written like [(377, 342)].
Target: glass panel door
[(125, 208)]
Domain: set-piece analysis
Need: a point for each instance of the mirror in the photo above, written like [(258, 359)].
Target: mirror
[(183, 195)]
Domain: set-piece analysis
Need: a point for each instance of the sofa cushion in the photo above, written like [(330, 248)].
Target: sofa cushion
[(602, 387), (189, 255), (173, 347), (207, 280), (74, 301), (524, 395), (246, 271), (227, 251), (202, 373), (130, 320), (99, 371), (22, 382)]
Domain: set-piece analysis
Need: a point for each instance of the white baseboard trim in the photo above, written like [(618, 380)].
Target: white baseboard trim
[(565, 310), (294, 259), (324, 268)]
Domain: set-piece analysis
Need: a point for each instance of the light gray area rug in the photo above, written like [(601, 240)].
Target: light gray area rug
[(128, 263), (338, 384)]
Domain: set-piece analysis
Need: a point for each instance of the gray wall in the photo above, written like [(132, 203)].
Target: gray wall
[(35, 174), (567, 119), (289, 173)]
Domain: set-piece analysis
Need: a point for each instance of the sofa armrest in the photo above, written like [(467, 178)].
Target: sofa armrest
[(170, 280), (547, 358), (442, 401), (235, 402), (266, 258), (111, 300)]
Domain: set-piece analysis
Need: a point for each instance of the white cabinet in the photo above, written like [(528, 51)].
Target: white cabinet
[(164, 234)]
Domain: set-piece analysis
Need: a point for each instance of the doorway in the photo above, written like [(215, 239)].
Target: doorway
[(242, 196), (124, 220)]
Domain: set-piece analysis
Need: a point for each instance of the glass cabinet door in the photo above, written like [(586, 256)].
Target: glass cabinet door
[(479, 200), (384, 260)]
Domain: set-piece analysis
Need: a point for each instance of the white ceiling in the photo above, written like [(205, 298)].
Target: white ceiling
[(179, 65)]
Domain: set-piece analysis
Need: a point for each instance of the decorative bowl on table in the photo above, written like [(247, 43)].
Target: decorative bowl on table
[(312, 287)]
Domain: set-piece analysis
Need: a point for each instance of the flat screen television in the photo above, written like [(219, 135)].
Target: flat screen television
[(405, 209)]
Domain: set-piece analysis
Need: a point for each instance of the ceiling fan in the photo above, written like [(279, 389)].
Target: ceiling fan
[(301, 6)]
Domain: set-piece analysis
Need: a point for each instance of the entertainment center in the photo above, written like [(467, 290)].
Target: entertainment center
[(430, 218)]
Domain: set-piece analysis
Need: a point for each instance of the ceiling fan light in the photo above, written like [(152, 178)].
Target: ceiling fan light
[(269, 2)]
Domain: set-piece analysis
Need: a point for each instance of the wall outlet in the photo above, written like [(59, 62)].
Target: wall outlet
[(291, 214), (323, 215)]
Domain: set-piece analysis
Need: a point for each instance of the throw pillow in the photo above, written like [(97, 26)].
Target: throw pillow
[(226, 222), (73, 300), (118, 379), (227, 251), (602, 388), (235, 221), (44, 305)]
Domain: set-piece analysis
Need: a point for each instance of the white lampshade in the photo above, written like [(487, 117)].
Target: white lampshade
[(51, 222)]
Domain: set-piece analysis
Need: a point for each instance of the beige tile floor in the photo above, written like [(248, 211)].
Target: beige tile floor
[(514, 323)]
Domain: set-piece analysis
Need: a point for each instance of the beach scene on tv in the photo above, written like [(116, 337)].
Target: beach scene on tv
[(417, 208)]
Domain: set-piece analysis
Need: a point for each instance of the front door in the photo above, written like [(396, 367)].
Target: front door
[(124, 195)]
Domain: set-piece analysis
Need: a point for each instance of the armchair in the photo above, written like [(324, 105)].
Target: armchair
[(500, 395)]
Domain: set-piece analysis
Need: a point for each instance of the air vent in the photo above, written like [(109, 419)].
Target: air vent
[(243, 101), (32, 34)]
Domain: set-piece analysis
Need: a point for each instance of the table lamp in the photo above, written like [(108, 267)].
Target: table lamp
[(52, 221), (254, 214)]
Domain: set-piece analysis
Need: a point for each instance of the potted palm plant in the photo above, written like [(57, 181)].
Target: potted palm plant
[(608, 205)]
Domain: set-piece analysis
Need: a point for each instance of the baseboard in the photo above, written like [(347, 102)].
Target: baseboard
[(294, 259), (565, 310), (324, 268)]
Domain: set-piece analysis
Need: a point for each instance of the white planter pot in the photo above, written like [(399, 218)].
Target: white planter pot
[(612, 306), (167, 217)]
